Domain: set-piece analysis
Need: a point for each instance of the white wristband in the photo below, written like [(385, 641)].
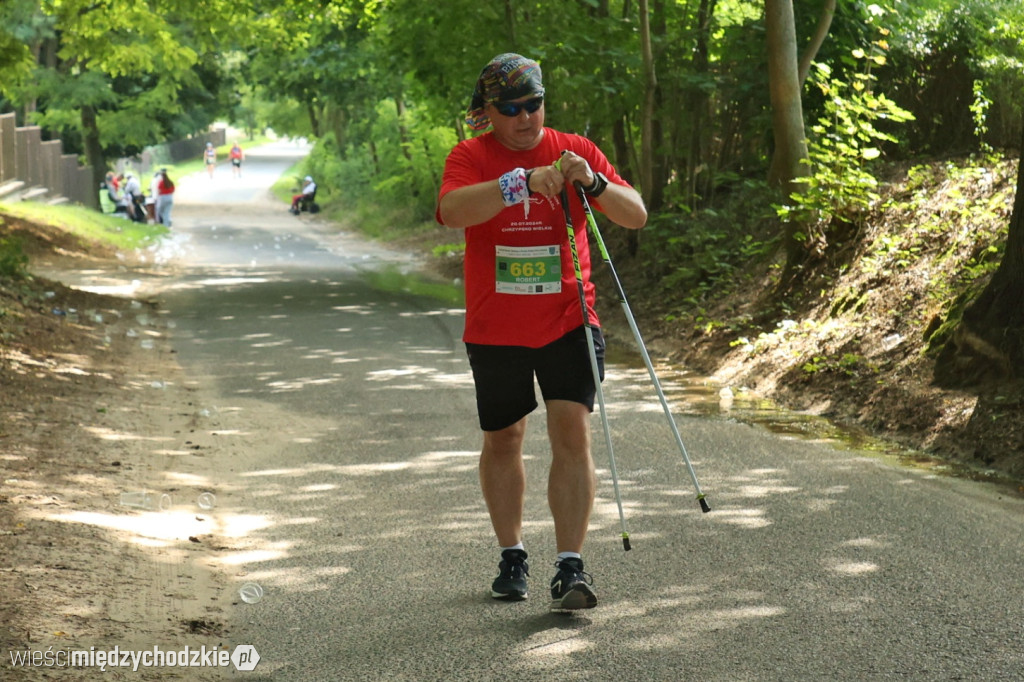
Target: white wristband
[(514, 188)]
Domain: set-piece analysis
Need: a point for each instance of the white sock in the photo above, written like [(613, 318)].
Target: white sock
[(568, 555), (518, 545)]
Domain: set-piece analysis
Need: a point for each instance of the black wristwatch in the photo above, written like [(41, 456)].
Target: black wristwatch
[(528, 174), (600, 183)]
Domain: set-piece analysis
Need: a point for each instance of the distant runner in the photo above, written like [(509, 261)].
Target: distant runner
[(210, 158), (237, 156)]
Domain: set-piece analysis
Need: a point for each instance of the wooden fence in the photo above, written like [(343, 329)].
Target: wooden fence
[(31, 168)]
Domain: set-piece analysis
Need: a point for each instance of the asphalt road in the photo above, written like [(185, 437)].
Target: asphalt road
[(341, 407)]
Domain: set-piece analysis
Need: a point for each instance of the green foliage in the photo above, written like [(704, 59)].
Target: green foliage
[(147, 70), (13, 261), (979, 109), (948, 225), (20, 26), (698, 253), (849, 364), (845, 140), (949, 54), (784, 332), (443, 250)]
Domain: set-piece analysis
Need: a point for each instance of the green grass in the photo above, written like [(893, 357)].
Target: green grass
[(87, 223), (289, 183)]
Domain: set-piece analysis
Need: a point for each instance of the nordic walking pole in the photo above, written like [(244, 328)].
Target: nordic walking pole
[(592, 224), (593, 360)]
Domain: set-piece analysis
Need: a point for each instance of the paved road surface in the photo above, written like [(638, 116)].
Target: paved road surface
[(345, 465)]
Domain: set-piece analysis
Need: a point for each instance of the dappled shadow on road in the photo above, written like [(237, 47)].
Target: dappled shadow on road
[(343, 453), (374, 549)]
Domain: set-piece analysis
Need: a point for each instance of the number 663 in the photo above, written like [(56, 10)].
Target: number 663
[(527, 269)]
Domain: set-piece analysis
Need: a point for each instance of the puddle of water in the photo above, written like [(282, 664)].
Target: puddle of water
[(690, 394)]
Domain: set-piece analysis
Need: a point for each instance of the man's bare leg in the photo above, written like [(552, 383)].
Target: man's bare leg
[(572, 480), (503, 481)]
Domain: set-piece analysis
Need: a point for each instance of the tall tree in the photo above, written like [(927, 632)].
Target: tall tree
[(115, 76), (789, 165), (698, 179), (647, 112)]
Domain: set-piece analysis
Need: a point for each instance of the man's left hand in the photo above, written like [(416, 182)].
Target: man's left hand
[(575, 169)]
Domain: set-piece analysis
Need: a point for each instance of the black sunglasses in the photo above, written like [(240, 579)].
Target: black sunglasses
[(513, 108)]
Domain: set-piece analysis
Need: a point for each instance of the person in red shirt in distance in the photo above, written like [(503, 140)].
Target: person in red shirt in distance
[(523, 315)]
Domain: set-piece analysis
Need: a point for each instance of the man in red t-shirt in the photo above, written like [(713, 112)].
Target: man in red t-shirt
[(523, 315)]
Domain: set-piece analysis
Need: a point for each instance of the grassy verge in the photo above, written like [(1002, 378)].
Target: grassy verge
[(290, 182), (87, 223)]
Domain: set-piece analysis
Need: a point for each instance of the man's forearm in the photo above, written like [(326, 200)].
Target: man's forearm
[(471, 205), (475, 204), (623, 206)]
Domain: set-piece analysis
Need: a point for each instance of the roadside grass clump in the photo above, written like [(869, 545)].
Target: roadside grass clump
[(947, 221), (13, 261), (852, 365), (88, 224)]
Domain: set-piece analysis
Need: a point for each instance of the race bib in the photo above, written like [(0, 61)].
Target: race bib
[(528, 270)]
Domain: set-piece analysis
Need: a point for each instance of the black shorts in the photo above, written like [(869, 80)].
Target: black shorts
[(503, 376)]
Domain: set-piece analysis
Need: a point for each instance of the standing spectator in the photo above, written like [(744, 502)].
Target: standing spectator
[(151, 198), (164, 199), (210, 158), (237, 156)]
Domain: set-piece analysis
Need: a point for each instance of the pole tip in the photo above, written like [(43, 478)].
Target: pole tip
[(625, 542), (704, 505)]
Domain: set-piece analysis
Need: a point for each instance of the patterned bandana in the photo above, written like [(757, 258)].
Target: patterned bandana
[(508, 76)]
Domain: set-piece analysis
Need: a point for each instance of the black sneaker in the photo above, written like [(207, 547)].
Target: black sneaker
[(571, 587), (510, 584)]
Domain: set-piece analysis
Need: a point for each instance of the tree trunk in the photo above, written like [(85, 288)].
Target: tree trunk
[(659, 161), (621, 148), (988, 343), (337, 121), (647, 110), (828, 11), (699, 111), (93, 149), (314, 119), (403, 132), (510, 22), (787, 117)]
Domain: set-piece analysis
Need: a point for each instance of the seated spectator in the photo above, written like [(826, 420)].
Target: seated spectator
[(108, 194), (134, 199), (308, 194)]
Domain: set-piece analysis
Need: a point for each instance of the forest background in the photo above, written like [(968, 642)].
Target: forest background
[(834, 187)]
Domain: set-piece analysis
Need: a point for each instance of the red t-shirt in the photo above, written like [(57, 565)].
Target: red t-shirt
[(520, 282)]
